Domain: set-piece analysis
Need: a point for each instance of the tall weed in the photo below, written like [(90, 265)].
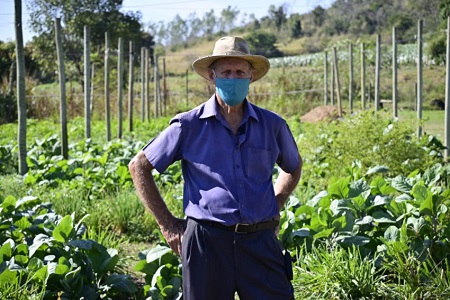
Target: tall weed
[(337, 273)]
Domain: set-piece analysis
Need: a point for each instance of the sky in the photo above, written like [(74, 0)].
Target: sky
[(154, 11)]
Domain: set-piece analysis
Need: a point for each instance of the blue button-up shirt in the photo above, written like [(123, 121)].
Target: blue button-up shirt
[(227, 176)]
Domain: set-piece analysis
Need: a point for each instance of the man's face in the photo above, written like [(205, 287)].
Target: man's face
[(231, 68)]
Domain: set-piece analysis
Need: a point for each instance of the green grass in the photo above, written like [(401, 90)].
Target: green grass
[(433, 121)]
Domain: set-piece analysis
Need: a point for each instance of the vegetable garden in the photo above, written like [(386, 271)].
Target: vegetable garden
[(368, 220)]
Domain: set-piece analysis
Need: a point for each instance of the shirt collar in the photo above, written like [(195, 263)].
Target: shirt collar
[(211, 108)]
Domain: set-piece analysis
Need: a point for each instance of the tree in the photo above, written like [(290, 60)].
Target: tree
[(178, 30), (6, 58), (295, 26), (263, 43), (278, 16), (438, 44), (404, 25), (195, 27), (228, 16), (99, 15), (209, 21), (7, 74), (427, 10), (21, 101), (159, 31), (444, 8), (319, 15)]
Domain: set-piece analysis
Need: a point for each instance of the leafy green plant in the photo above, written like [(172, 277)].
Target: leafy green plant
[(401, 225), (162, 273), (41, 248), (94, 168), (8, 159)]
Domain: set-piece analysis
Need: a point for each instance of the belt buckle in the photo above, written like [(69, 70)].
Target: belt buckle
[(236, 227)]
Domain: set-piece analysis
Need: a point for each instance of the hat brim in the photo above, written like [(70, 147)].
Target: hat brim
[(260, 64)]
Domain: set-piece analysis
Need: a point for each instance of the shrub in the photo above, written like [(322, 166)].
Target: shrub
[(370, 139)]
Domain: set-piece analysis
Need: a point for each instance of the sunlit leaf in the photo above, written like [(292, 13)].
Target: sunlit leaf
[(382, 217), (339, 189), (353, 240), (392, 234), (324, 233), (377, 169), (401, 184), (420, 192), (64, 230)]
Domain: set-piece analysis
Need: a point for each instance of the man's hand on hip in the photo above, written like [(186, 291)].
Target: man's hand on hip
[(173, 233)]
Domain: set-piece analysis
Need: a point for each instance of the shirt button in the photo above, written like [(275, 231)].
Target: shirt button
[(238, 166)]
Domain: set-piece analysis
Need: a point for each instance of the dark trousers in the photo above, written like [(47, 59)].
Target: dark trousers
[(217, 263)]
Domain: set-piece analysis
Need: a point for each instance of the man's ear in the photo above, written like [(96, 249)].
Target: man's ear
[(211, 75)]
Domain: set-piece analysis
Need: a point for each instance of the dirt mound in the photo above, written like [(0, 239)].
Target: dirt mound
[(321, 113)]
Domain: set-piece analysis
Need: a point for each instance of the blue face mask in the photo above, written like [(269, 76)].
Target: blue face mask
[(232, 90)]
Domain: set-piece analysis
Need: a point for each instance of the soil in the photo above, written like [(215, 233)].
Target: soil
[(321, 113)]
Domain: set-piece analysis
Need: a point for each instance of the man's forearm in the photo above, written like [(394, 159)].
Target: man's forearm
[(147, 190), (286, 183)]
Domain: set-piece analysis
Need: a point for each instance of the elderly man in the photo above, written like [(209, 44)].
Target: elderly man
[(228, 148)]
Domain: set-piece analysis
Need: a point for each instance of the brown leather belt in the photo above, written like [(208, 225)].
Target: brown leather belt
[(244, 228)]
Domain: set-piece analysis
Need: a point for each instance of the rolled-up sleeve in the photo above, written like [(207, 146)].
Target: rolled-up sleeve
[(288, 158), (164, 149)]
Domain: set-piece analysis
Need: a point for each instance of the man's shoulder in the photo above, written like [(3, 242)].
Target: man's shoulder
[(266, 114), (189, 115)]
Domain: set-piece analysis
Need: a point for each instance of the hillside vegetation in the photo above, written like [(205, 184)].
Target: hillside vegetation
[(280, 34)]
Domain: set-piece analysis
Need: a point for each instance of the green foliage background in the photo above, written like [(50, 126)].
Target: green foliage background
[(359, 219)]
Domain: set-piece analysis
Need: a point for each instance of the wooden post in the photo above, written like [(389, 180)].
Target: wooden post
[(187, 87), (130, 86), (338, 82), (419, 78), (62, 90), (165, 99), (325, 78), (147, 83), (87, 79), (10, 100), (332, 89), (91, 108), (157, 94), (21, 93), (363, 77), (350, 77), (394, 74), (107, 95), (377, 73), (447, 95), (120, 88), (142, 84)]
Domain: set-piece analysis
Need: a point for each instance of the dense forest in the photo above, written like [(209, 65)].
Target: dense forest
[(345, 19)]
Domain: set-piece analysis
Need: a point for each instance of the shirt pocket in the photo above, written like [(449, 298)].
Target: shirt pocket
[(260, 164)]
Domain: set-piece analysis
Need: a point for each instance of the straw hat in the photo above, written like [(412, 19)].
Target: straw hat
[(232, 47)]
